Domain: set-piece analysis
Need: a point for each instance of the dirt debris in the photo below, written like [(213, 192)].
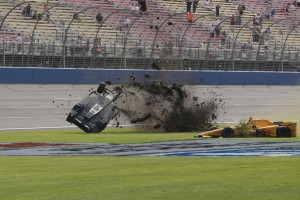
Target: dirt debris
[(156, 106), (169, 108)]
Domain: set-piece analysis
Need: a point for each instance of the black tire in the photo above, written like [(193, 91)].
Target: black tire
[(259, 133), (70, 119), (101, 125), (227, 132), (101, 88), (283, 131)]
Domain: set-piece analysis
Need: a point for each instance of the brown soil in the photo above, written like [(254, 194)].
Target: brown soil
[(169, 108)]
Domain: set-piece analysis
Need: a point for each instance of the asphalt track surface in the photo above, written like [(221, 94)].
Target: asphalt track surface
[(37, 107)]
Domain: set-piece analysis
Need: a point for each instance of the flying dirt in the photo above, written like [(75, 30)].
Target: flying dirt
[(169, 108), (152, 106)]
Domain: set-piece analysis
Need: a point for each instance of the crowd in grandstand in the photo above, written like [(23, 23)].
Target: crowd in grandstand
[(140, 6)]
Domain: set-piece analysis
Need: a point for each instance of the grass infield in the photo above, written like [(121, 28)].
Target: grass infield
[(142, 178), (110, 135), (136, 178)]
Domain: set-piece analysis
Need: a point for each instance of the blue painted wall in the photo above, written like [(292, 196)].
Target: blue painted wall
[(14, 75)]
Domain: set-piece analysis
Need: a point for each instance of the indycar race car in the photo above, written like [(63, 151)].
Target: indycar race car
[(254, 128), (93, 113)]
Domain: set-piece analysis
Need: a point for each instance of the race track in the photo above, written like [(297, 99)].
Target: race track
[(45, 106), (30, 107)]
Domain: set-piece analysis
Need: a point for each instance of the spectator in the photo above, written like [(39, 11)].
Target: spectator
[(254, 20), (255, 33), (217, 26), (78, 48), (223, 38), (287, 8), (72, 47), (46, 6), (28, 10), (292, 7), (48, 17), (143, 5), (190, 17), (267, 13), (76, 17), (99, 18), (87, 47), (267, 33), (135, 7), (66, 46), (232, 20), (39, 16), (34, 14), (243, 7), (212, 31), (266, 42), (218, 10), (19, 41), (188, 5), (273, 13), (155, 23), (249, 46), (241, 10), (170, 23), (127, 23), (298, 3), (24, 11), (244, 47), (282, 9), (239, 20), (207, 5), (258, 19), (195, 5)]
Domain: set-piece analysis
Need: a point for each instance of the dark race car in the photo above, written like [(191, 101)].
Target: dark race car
[(93, 113)]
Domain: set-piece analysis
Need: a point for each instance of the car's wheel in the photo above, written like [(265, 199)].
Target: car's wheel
[(227, 132), (101, 125), (283, 131), (70, 118), (259, 133), (101, 88)]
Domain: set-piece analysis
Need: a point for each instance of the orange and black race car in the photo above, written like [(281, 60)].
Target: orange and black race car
[(254, 128)]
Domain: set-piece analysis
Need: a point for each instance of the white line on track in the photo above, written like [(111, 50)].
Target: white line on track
[(37, 117), (66, 98), (37, 128), (32, 107), (49, 127)]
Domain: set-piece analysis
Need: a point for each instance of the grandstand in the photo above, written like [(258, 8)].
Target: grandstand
[(60, 40)]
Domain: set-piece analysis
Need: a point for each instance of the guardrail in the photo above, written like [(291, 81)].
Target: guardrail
[(29, 75)]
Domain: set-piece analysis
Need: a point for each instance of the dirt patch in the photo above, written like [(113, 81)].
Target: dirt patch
[(170, 108)]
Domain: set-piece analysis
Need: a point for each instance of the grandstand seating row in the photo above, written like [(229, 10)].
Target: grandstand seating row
[(61, 14)]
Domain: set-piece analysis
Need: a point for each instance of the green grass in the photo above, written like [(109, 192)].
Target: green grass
[(137, 178), (142, 178), (111, 135)]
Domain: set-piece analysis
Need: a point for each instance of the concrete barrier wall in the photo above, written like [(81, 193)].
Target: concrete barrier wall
[(13, 75)]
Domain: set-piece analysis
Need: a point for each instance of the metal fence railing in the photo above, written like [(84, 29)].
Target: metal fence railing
[(125, 49), (144, 57)]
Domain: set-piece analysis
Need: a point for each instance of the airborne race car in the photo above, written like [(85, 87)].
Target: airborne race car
[(254, 128), (93, 113)]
